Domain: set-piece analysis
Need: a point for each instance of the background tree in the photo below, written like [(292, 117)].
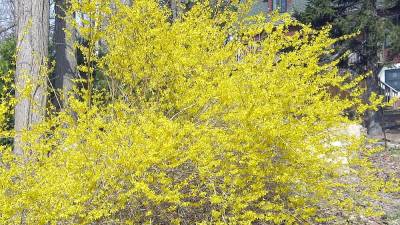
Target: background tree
[(65, 52), (7, 69), (346, 17), (369, 18), (31, 62), (174, 5)]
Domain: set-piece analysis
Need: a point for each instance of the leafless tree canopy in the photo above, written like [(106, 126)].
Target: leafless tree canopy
[(7, 18)]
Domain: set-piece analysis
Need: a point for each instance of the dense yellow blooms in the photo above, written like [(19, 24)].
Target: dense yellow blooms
[(198, 123)]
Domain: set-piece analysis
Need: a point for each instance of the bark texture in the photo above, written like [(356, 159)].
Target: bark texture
[(66, 61), (174, 5), (32, 50)]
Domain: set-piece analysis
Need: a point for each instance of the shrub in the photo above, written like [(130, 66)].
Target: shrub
[(195, 127)]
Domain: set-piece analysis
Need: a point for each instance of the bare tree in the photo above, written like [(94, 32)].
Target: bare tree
[(65, 52), (32, 43)]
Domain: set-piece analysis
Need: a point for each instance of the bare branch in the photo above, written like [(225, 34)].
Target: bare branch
[(3, 30)]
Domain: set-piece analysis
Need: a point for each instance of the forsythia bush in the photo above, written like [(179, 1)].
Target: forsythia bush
[(199, 123)]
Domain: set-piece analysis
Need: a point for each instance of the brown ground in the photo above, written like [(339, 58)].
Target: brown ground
[(389, 161)]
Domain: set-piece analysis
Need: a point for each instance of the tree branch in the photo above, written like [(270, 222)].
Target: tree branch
[(5, 29)]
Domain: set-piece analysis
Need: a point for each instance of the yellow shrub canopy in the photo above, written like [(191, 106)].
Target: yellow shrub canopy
[(198, 123)]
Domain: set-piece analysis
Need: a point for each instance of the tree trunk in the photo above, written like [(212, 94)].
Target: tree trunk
[(32, 50), (373, 118), (128, 2), (174, 5), (66, 61)]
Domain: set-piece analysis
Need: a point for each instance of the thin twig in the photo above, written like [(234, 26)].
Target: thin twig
[(3, 30), (180, 112)]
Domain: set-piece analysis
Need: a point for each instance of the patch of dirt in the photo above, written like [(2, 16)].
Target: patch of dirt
[(389, 161)]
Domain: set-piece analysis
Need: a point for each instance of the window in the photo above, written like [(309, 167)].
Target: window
[(392, 78), (280, 4)]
